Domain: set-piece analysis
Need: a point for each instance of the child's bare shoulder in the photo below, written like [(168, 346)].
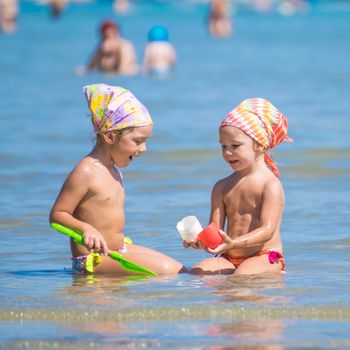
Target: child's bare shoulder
[(273, 187), (223, 183), (85, 168)]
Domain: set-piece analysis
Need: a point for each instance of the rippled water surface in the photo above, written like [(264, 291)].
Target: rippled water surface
[(298, 62)]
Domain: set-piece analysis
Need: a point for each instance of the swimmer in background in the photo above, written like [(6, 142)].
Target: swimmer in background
[(8, 15), (57, 7), (114, 53), (160, 55), (121, 6), (219, 18)]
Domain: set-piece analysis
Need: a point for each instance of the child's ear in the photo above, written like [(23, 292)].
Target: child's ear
[(108, 137), (259, 148), (262, 149)]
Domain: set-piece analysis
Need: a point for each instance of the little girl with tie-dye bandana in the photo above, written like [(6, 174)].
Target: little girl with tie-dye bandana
[(92, 197), (250, 200)]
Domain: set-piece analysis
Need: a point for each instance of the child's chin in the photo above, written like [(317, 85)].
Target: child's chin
[(235, 167), (232, 165), (123, 164)]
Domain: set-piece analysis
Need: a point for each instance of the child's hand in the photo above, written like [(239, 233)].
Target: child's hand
[(93, 240), (194, 244), (224, 247)]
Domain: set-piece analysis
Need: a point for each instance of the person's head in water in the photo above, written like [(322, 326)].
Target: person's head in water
[(109, 28), (158, 33)]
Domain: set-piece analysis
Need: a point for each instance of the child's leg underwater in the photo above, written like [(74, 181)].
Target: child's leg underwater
[(153, 260), (213, 266), (258, 265)]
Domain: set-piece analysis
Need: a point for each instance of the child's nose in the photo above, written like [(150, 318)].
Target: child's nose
[(142, 148)]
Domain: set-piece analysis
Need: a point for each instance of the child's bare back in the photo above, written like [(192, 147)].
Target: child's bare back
[(160, 54)]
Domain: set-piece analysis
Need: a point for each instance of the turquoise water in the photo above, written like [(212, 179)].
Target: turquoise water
[(299, 62)]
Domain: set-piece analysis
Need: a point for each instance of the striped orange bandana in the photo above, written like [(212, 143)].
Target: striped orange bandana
[(263, 122)]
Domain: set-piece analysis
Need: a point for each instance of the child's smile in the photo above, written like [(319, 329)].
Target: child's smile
[(237, 148), (131, 145)]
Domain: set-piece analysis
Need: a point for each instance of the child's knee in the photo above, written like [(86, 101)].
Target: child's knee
[(170, 268), (213, 266)]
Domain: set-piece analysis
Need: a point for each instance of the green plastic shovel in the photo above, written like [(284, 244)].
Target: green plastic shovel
[(125, 264)]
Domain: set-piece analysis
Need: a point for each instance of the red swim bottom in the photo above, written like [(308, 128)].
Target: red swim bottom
[(273, 256)]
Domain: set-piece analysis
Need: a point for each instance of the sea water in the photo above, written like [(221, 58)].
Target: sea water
[(298, 62)]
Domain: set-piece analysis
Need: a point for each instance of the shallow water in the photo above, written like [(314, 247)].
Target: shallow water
[(299, 62)]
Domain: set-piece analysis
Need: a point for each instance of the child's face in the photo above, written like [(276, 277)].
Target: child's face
[(238, 149), (110, 32), (130, 144)]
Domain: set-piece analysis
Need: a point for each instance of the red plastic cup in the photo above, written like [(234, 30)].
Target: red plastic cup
[(210, 236)]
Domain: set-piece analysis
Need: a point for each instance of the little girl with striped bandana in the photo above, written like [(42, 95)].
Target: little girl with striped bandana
[(250, 201)]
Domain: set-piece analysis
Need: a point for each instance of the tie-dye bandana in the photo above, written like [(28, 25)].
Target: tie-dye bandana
[(114, 108), (263, 122)]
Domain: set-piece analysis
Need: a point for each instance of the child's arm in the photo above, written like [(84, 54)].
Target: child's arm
[(95, 59), (173, 56), (146, 60), (270, 218), (217, 213), (128, 60), (73, 191)]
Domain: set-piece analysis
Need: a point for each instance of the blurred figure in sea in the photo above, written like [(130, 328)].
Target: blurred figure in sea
[(114, 54), (57, 6), (290, 7), (160, 55), (263, 6), (8, 15), (220, 24), (121, 6)]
